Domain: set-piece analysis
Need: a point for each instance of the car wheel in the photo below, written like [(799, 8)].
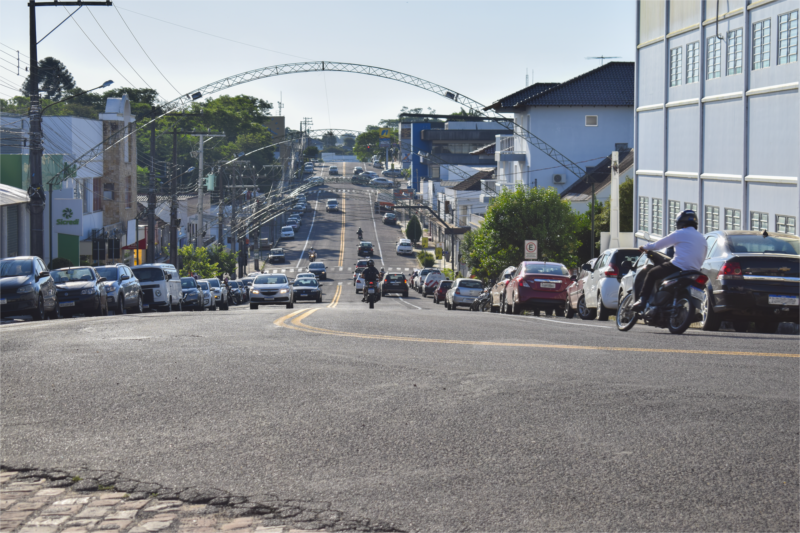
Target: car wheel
[(584, 312), (767, 327), (319, 300), (405, 295), (602, 311), (569, 312), (139, 305), (121, 307), (253, 307), (38, 314), (290, 305), (516, 308), (709, 321)]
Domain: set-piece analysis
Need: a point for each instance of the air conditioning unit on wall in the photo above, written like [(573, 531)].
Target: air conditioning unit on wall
[(558, 178)]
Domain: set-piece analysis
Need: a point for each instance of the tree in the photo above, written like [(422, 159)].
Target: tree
[(54, 79), (602, 220), (196, 260), (329, 139), (368, 144), (312, 152), (349, 141), (414, 229), (515, 216), (226, 261)]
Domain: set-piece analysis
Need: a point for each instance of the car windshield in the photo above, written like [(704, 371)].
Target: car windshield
[(73, 274), (203, 285), (305, 282), (110, 273), (365, 244), (470, 284), (553, 269), (16, 267), (149, 274), (446, 284), (270, 280), (277, 251), (247, 282), (395, 277), (758, 244), (188, 283), (317, 266)]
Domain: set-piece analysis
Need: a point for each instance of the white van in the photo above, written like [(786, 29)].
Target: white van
[(161, 286), (429, 284)]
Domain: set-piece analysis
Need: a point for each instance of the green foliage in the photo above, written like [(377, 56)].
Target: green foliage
[(602, 214), (196, 260), (515, 216), (448, 272), (54, 79), (312, 152), (368, 144), (426, 259), (414, 229), (438, 252), (349, 142), (226, 261), (59, 262)]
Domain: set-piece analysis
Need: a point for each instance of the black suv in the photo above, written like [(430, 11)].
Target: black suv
[(276, 255), (365, 248), (394, 283)]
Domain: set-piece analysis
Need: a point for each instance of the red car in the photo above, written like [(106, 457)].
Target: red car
[(537, 286), (441, 289)]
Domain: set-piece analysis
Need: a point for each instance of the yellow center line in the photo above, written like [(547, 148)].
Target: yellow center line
[(336, 296), (297, 323)]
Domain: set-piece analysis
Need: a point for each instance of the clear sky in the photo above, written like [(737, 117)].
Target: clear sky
[(480, 49)]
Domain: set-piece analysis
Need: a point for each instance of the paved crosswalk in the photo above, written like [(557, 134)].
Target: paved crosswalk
[(334, 269)]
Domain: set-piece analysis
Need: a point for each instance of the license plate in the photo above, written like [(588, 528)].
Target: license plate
[(3, 301), (66, 304), (370, 291), (303, 294), (697, 293), (547, 285), (778, 299)]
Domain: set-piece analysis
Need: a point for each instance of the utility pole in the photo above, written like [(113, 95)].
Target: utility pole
[(151, 199), (35, 191), (200, 208), (221, 218), (173, 205), (614, 219)]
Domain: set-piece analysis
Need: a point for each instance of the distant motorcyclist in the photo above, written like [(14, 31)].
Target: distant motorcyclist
[(690, 252), (382, 275), (360, 234), (369, 274), (312, 254)]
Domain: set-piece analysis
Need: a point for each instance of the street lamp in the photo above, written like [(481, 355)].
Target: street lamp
[(106, 84)]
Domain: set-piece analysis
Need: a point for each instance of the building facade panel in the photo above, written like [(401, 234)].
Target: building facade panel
[(650, 151), (774, 134), (723, 137), (682, 190), (683, 136), (773, 199), (651, 75)]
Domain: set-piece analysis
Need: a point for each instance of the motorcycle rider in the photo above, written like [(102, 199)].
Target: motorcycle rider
[(370, 274), (360, 234), (382, 274), (690, 251), (312, 254)]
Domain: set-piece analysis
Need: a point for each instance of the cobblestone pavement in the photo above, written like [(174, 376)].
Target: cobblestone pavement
[(59, 503)]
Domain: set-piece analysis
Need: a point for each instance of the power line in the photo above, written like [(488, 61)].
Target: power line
[(11, 71), (145, 51), (101, 53), (117, 49), (23, 55)]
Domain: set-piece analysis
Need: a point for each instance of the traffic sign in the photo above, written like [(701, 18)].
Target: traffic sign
[(531, 250), (385, 143), (385, 133)]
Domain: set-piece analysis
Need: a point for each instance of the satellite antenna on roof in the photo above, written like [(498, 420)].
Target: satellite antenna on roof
[(603, 58)]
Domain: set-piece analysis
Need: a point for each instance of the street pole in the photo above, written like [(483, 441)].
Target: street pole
[(173, 208), (591, 253), (614, 221), (35, 114), (221, 219), (198, 232), (151, 199)]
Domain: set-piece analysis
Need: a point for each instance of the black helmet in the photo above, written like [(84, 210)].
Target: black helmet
[(685, 219), (370, 263)]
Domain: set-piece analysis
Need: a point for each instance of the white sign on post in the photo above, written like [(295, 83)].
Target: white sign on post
[(531, 250)]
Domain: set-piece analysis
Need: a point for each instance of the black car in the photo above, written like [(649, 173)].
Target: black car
[(307, 289), (394, 283), (192, 295), (390, 218), (122, 288), (318, 269), (359, 180), (276, 255), (26, 288), (365, 248), (80, 291), (752, 277)]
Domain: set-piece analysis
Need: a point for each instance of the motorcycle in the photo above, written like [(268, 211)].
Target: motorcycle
[(674, 305), (372, 293), (312, 256), (482, 303), (360, 236)]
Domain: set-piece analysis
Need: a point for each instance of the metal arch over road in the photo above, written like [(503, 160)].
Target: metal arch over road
[(331, 66)]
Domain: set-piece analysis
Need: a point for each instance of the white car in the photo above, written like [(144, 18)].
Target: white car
[(404, 246), (316, 180), (332, 205), (271, 289), (305, 275), (359, 283), (287, 232), (601, 288), (333, 170), (381, 182)]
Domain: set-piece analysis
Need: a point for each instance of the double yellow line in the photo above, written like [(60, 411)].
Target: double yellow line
[(336, 296), (342, 240)]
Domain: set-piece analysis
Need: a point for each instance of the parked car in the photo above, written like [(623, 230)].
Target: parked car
[(377, 164), (271, 289), (235, 292), (420, 279), (441, 289), (357, 171), (307, 289), (208, 298), (331, 205), (381, 182), (276, 255), (391, 173), (601, 287), (333, 170), (462, 292), (752, 277), (404, 246), (27, 288), (394, 283), (80, 291), (499, 288), (390, 218), (365, 248), (220, 294), (293, 223), (123, 290), (318, 269), (192, 295), (537, 286), (429, 282), (287, 232), (161, 286), (575, 300)]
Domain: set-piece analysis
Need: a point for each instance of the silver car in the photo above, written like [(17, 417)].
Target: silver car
[(271, 289), (462, 293), (205, 290)]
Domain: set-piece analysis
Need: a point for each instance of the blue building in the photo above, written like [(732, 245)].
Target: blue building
[(717, 124)]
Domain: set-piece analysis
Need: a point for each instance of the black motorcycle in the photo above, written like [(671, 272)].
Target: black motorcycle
[(371, 288), (360, 236), (482, 303), (674, 305)]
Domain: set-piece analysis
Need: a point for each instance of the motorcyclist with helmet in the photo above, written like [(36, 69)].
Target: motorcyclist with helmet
[(690, 252), (369, 274), (360, 234)]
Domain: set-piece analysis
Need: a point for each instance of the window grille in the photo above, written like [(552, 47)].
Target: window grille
[(713, 58), (643, 213), (658, 216), (673, 208), (785, 224), (733, 219), (693, 62), (759, 221), (761, 42), (690, 206), (712, 218), (735, 52), (787, 38), (675, 66)]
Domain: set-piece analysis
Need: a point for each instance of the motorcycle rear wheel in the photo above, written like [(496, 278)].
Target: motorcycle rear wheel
[(626, 318), (681, 317)]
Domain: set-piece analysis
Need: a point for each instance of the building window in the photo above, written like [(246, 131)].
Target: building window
[(733, 219), (689, 206), (787, 38), (674, 208), (434, 172), (128, 193), (759, 221), (713, 58), (761, 40), (735, 52), (658, 215), (692, 62), (97, 194), (712, 218), (785, 224), (644, 210), (591, 120), (675, 66)]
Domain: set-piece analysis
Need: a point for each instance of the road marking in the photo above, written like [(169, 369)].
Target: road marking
[(336, 296), (313, 218), (297, 324), (374, 225), (341, 269), (405, 302)]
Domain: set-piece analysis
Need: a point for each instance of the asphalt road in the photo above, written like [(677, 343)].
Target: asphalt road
[(430, 419)]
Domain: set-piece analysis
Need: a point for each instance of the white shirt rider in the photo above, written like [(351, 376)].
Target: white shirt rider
[(690, 248)]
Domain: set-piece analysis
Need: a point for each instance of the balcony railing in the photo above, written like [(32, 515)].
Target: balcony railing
[(505, 143)]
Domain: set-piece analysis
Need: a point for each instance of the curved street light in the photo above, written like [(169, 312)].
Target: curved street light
[(106, 84)]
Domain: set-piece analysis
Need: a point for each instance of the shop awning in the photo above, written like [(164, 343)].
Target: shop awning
[(11, 195), (141, 245)]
